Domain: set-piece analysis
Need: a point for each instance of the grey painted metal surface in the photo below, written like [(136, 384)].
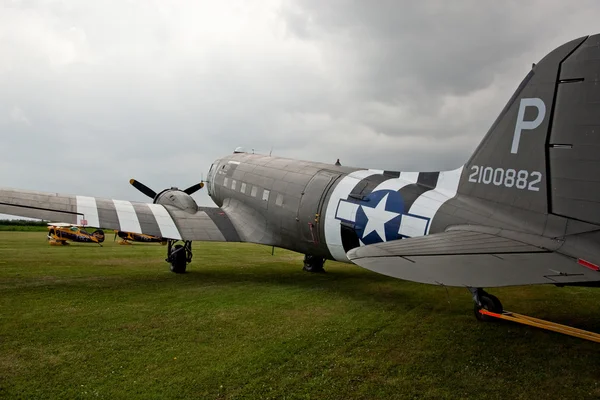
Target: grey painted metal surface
[(524, 209), (482, 270)]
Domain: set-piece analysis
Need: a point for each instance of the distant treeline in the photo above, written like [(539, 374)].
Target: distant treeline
[(22, 225), (22, 222)]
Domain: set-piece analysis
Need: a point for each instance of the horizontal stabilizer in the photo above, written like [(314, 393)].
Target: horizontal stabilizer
[(473, 256)]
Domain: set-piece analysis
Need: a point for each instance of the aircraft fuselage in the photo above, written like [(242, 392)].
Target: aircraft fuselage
[(323, 209)]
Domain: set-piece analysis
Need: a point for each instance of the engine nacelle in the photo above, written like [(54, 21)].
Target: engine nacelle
[(178, 199)]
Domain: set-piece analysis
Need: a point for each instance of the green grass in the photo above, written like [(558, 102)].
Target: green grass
[(85, 321)]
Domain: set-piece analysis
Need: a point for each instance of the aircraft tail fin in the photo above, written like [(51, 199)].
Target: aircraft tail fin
[(543, 151)]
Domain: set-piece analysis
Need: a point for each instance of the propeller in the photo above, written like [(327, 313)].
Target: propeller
[(143, 188), (152, 194), (194, 188)]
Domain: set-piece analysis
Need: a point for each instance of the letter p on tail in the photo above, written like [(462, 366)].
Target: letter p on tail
[(527, 125)]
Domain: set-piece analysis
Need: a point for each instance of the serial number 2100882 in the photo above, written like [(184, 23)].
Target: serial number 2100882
[(509, 178)]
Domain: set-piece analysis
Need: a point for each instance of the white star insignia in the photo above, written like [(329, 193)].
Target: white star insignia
[(377, 218)]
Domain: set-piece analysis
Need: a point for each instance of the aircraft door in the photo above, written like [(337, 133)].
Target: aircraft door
[(311, 205)]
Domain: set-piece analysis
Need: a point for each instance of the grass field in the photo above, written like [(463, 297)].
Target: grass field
[(89, 322)]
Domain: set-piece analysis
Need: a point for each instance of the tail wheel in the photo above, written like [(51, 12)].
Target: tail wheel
[(99, 234), (488, 302)]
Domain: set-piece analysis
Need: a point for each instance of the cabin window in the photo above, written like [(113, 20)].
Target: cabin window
[(226, 182), (254, 190), (243, 188), (233, 184), (266, 195), (279, 199)]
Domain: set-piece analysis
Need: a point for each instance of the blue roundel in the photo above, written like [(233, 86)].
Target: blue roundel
[(378, 217)]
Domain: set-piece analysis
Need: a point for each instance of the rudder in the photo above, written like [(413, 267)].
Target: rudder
[(574, 142)]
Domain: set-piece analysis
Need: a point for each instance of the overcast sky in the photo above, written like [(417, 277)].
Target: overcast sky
[(93, 93)]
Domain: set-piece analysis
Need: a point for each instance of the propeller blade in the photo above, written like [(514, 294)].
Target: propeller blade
[(194, 188), (143, 188)]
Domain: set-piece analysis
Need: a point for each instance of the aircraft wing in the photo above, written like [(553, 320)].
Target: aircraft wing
[(473, 256), (207, 224)]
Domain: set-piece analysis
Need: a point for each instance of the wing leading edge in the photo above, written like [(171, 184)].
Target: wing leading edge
[(474, 256), (207, 224)]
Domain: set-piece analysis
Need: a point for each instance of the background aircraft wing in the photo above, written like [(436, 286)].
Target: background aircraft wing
[(474, 256), (207, 224)]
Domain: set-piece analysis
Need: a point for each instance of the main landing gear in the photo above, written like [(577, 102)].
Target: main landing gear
[(313, 263), (179, 255), (486, 301)]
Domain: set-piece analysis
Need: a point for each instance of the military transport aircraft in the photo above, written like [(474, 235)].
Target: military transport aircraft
[(524, 209)]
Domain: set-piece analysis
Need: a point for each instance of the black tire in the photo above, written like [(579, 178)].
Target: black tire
[(313, 264), (488, 302), (99, 234), (178, 259)]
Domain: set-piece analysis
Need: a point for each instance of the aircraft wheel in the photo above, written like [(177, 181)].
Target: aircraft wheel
[(178, 259), (99, 234), (313, 263), (488, 302)]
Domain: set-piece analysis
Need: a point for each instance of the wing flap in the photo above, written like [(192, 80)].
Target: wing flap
[(475, 257)]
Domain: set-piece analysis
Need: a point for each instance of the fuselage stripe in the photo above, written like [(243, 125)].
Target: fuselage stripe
[(428, 179), (332, 229), (420, 195), (366, 186), (428, 204), (405, 178), (410, 193)]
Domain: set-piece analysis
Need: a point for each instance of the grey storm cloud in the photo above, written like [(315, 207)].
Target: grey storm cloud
[(94, 93)]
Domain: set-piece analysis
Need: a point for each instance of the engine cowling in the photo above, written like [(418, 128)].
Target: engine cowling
[(178, 199)]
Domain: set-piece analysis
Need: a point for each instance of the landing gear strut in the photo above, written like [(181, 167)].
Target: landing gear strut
[(486, 301), (313, 263), (179, 255)]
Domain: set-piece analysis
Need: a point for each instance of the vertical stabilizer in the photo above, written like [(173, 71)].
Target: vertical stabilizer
[(510, 165)]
